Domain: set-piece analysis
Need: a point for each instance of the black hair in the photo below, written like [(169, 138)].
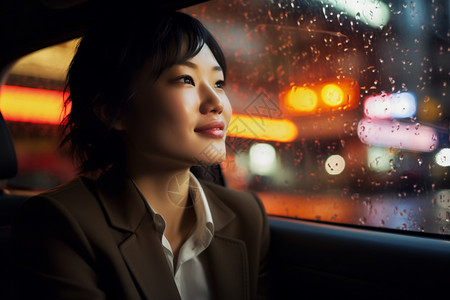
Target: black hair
[(103, 70)]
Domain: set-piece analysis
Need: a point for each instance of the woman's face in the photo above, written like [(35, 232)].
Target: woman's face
[(182, 118)]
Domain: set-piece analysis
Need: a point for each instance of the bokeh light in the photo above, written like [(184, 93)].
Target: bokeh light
[(301, 99), (335, 164), (263, 158), (380, 159), (429, 109), (390, 106), (332, 95), (262, 128), (442, 158), (374, 13), (399, 135), (320, 97), (32, 105)]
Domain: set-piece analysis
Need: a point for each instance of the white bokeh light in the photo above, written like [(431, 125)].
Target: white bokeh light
[(263, 159), (335, 164), (390, 106), (442, 158), (374, 13), (380, 159)]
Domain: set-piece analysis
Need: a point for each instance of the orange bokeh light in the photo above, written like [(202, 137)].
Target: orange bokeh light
[(268, 129), (302, 99), (31, 105), (324, 96), (332, 95)]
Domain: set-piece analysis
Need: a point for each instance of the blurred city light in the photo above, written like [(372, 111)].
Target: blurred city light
[(396, 134), (263, 159), (332, 95), (261, 128), (442, 158), (31, 105), (374, 13), (380, 159), (390, 106), (323, 96), (302, 99), (335, 164), (429, 109)]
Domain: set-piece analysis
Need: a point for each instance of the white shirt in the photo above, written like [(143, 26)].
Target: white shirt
[(190, 271)]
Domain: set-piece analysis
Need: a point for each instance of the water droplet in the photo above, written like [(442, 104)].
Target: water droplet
[(362, 220), (420, 161)]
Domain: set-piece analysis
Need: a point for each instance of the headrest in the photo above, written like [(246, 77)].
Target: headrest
[(8, 160)]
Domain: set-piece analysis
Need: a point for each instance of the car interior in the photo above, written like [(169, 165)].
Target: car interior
[(312, 256)]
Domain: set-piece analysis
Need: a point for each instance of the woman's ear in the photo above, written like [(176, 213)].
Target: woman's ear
[(106, 117)]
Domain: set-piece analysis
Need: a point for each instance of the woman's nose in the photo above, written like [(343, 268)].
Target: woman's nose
[(211, 101)]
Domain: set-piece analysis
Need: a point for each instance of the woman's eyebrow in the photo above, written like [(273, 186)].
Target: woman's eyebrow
[(194, 66)]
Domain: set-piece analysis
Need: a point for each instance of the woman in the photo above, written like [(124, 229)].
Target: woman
[(147, 103)]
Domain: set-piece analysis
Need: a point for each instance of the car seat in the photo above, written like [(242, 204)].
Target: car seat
[(9, 204)]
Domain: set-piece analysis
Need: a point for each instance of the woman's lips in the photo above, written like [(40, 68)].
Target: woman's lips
[(214, 129)]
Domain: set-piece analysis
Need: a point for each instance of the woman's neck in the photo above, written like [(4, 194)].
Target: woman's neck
[(163, 190), (167, 192)]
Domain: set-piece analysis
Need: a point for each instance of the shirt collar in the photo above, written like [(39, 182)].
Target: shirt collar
[(201, 206), (204, 229)]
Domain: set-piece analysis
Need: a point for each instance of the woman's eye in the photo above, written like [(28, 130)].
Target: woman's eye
[(220, 84), (186, 80)]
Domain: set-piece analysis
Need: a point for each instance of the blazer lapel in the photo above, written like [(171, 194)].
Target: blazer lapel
[(147, 263), (141, 250), (226, 256)]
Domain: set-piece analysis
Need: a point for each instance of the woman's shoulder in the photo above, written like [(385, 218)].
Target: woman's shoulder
[(243, 203), (69, 196), (229, 194), (76, 186)]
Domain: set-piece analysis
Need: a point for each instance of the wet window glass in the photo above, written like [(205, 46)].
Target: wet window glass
[(340, 109)]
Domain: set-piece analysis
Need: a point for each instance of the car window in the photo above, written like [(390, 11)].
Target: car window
[(340, 111), (31, 101)]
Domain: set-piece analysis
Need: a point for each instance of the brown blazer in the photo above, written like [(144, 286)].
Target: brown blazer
[(96, 240)]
